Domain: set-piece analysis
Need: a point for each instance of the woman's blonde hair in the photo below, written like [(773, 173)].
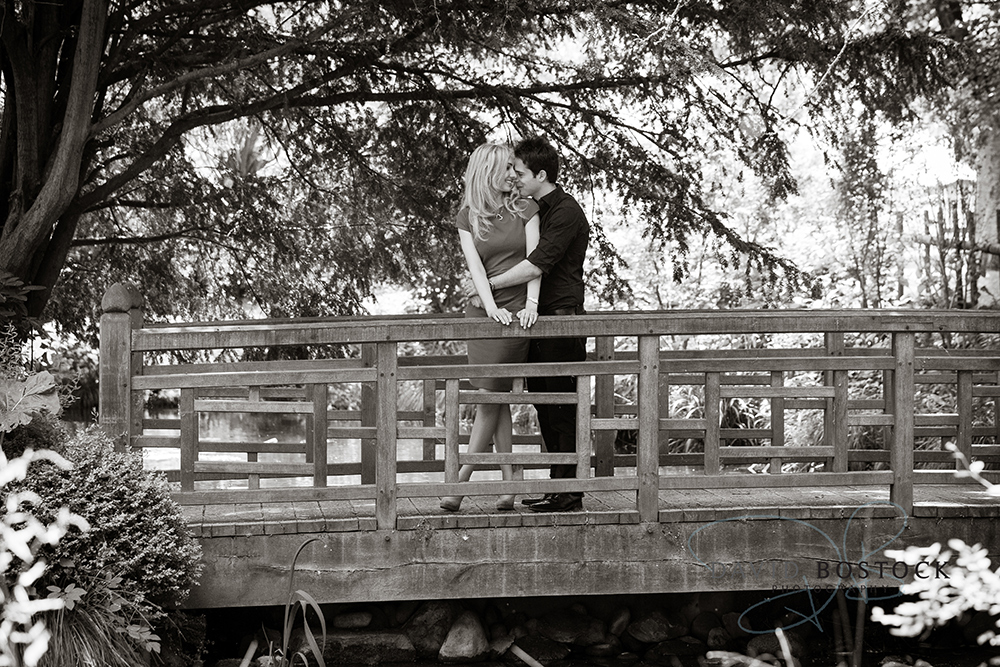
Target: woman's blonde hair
[(483, 177)]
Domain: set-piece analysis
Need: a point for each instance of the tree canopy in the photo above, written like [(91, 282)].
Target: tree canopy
[(283, 157)]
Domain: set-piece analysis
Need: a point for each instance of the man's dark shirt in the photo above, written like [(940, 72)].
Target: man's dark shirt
[(562, 247)]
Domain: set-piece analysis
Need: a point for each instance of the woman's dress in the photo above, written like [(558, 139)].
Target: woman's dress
[(502, 248)]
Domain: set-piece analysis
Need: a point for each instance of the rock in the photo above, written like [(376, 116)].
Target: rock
[(768, 643), (735, 625), (404, 610), (541, 649), (704, 623), (572, 627), (761, 644), (655, 626), (429, 626), (718, 639), (500, 643), (368, 647), (466, 640), (606, 649), (355, 620), (619, 621), (497, 630), (662, 652), (920, 662)]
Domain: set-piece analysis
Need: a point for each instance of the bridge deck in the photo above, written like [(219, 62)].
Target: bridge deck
[(609, 507), (784, 535)]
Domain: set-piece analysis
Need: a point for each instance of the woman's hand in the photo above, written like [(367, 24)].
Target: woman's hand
[(528, 315), (501, 315)]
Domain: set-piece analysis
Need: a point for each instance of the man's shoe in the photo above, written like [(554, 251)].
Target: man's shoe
[(528, 502), (559, 502)]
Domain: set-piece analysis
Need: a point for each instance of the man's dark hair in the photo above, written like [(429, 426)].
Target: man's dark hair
[(538, 155)]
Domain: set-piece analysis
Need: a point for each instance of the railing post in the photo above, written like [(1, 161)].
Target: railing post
[(122, 312), (430, 418), (319, 395), (451, 424), (583, 431), (648, 454), (189, 439), (834, 432), (965, 416), (713, 424), (901, 454), (604, 408), (385, 430), (369, 398), (777, 422)]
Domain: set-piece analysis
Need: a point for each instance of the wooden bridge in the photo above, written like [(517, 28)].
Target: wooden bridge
[(843, 455)]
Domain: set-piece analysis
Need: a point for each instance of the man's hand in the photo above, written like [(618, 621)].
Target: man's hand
[(471, 295), (468, 287)]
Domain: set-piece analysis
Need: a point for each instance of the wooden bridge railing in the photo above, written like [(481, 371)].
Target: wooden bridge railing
[(813, 361)]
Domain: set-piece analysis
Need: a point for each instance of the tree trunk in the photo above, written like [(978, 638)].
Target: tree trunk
[(30, 231), (988, 215)]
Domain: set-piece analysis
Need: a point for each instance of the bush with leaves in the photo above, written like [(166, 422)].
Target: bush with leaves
[(971, 583), (137, 560)]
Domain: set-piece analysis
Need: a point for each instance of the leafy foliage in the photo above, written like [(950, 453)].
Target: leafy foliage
[(114, 581), (283, 158)]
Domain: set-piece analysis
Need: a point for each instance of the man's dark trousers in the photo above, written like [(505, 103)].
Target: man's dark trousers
[(557, 422)]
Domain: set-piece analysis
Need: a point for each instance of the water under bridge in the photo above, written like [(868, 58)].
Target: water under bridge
[(727, 450)]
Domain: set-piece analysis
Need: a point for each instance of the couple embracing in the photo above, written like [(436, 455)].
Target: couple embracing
[(524, 240)]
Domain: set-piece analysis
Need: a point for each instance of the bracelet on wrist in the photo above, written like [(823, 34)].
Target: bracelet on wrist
[(534, 301), (493, 288)]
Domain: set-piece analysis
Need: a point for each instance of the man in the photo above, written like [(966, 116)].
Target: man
[(559, 257)]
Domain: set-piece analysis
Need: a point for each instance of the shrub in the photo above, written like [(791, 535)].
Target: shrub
[(137, 559)]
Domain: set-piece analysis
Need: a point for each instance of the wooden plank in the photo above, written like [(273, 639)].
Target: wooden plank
[(529, 487), (648, 444), (965, 416), (386, 451), (452, 416), (538, 369), (188, 439), (901, 450), (266, 468), (785, 452), (777, 421), (289, 494), (196, 381), (782, 392), (369, 417), (269, 333), (749, 481), (583, 434), (319, 394), (871, 420), (604, 409), (499, 458), (510, 398), (429, 420), (712, 423), (116, 384), (271, 407), (840, 422)]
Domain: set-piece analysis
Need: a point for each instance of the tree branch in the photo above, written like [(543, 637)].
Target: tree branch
[(122, 240)]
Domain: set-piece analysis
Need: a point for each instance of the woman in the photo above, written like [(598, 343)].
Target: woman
[(497, 229)]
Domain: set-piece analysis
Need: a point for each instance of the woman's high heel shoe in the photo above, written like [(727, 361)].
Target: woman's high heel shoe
[(451, 503), (505, 503)]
